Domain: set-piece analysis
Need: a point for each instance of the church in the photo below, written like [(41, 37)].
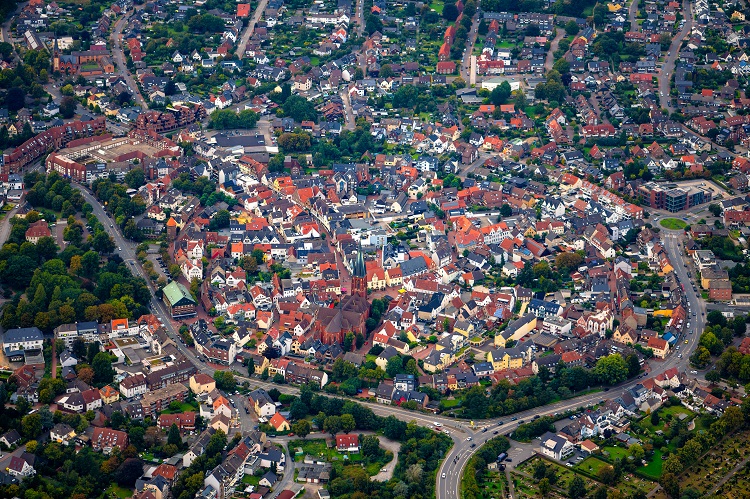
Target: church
[(352, 311), (84, 63)]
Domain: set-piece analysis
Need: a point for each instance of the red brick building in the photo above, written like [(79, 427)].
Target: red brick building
[(54, 138), (720, 290)]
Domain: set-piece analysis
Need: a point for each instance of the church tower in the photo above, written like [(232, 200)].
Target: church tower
[(359, 276), (56, 56)]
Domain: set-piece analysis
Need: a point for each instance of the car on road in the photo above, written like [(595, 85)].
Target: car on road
[(437, 424), (443, 475), (468, 439), (693, 372), (500, 423), (495, 432), (384, 470), (569, 464), (513, 418), (686, 342), (473, 445)]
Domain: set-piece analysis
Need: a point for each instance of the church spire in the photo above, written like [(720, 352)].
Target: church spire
[(359, 274)]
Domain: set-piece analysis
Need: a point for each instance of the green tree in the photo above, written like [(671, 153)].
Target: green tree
[(31, 425), (332, 425), (174, 437), (672, 465), (544, 487), (302, 428), (500, 94), (68, 107), (577, 488), (611, 370), (347, 423), (571, 27), (102, 366), (135, 178), (671, 485)]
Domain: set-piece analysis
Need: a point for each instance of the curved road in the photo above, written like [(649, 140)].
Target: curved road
[(456, 459)]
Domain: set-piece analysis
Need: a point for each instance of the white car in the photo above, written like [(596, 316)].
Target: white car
[(443, 475)]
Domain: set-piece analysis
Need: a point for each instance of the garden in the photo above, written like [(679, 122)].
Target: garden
[(372, 457)]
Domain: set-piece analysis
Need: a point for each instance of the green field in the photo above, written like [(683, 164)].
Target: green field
[(437, 6), (673, 223)]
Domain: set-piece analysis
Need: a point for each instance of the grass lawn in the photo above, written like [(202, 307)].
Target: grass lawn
[(506, 45), (437, 6), (251, 480), (448, 403), (653, 468), (616, 452), (317, 447), (184, 407), (673, 223), (115, 490), (591, 465), (664, 412)]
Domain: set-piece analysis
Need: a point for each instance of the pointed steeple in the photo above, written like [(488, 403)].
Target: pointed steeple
[(359, 265)]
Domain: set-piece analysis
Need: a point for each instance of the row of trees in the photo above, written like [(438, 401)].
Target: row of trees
[(228, 119)]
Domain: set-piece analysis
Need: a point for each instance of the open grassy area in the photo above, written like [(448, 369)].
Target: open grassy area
[(115, 490), (616, 452), (673, 223), (591, 465), (184, 407), (437, 6), (251, 480), (653, 468)]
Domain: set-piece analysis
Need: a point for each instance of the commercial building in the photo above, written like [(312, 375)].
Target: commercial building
[(178, 300), (671, 197)]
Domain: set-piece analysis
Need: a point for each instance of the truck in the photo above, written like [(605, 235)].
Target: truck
[(501, 457)]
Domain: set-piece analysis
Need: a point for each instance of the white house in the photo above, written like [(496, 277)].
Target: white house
[(22, 338), (132, 386), (555, 446)]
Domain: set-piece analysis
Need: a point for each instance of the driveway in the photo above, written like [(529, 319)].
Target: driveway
[(393, 446)]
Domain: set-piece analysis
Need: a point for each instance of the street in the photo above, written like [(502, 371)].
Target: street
[(667, 69), (250, 28), (119, 57)]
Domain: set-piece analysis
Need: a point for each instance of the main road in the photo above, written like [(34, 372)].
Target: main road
[(667, 69), (456, 459)]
